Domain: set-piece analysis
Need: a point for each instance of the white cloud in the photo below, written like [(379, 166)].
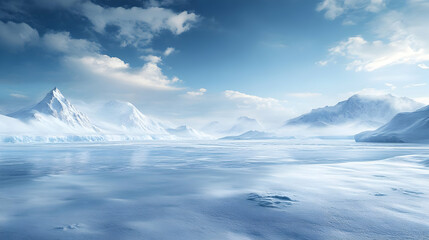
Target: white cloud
[(152, 59), (63, 42), (375, 5), (168, 51), (424, 100), (322, 63), (336, 8), (370, 56), (150, 75), (415, 85), (137, 26), (200, 92), (391, 86), (423, 66), (83, 54), (370, 92), (247, 100), (17, 95), (332, 8), (17, 35), (304, 94), (402, 39)]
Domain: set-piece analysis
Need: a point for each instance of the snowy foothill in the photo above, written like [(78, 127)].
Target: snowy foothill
[(404, 127)]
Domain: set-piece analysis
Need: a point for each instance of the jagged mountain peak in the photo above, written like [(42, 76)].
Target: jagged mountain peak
[(128, 116), (54, 104)]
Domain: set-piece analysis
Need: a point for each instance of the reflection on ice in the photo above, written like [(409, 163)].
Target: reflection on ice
[(214, 190)]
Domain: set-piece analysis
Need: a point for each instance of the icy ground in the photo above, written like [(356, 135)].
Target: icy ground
[(284, 189)]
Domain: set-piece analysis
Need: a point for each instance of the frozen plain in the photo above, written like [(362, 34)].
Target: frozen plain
[(282, 189)]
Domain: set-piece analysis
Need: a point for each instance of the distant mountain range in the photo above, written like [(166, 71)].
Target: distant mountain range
[(358, 109), (239, 126), (55, 119)]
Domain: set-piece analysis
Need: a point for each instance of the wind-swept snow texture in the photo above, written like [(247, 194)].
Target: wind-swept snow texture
[(358, 109), (404, 127), (229, 190)]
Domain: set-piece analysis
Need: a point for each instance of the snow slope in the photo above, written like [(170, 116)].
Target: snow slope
[(55, 107), (244, 124), (404, 127), (186, 132), (127, 118), (359, 109)]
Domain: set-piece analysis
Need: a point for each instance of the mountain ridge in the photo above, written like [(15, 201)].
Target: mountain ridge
[(363, 109)]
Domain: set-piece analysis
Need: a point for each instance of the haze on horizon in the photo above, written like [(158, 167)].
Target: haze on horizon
[(198, 61)]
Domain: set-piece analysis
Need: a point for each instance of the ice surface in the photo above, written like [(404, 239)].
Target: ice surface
[(271, 189)]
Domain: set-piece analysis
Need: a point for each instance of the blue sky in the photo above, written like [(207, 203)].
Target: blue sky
[(190, 59)]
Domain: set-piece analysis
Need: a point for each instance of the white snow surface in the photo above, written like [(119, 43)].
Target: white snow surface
[(360, 110), (404, 127)]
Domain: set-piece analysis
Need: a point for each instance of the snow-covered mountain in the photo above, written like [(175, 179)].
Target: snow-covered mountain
[(404, 127), (55, 119), (244, 124), (231, 128), (186, 132), (128, 118), (55, 107), (359, 109), (214, 127)]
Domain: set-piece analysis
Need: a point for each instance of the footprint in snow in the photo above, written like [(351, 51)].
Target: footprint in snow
[(271, 200), (69, 227)]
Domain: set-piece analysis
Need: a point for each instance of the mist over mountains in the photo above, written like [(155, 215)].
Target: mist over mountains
[(56, 119), (372, 111)]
